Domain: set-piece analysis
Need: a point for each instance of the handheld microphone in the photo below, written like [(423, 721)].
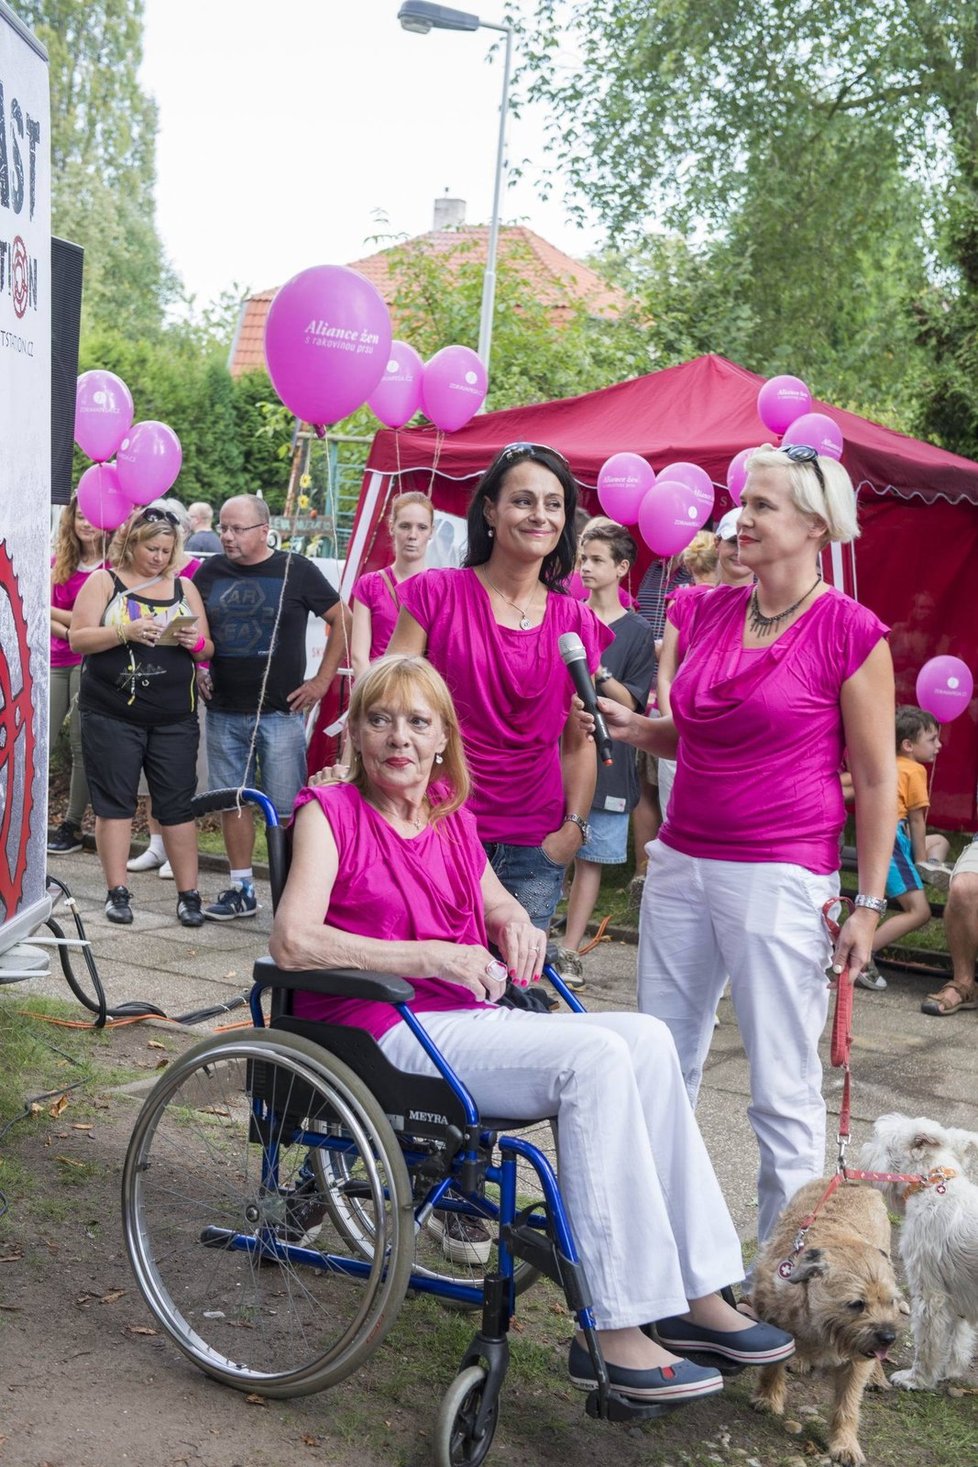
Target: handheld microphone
[(574, 657)]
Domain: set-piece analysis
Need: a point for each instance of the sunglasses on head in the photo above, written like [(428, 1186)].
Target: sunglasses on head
[(514, 453), (155, 517), (803, 453)]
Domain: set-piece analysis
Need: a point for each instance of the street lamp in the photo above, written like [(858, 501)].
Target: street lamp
[(420, 17)]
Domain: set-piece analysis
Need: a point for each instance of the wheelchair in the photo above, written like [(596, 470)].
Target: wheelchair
[(279, 1190)]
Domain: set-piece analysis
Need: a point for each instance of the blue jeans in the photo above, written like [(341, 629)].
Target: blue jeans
[(529, 875), (277, 762)]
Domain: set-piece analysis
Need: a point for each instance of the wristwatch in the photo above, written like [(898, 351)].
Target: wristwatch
[(601, 676), (875, 904), (582, 826)]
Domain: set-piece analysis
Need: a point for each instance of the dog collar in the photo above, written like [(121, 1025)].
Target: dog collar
[(938, 1178)]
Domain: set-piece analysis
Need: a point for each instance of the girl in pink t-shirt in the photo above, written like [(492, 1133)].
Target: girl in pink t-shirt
[(376, 596), (79, 549), (776, 680), (492, 631)]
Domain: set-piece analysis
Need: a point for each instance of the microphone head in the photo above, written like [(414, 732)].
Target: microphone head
[(571, 648)]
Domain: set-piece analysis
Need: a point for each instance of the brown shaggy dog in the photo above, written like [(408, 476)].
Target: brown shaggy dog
[(832, 1286)]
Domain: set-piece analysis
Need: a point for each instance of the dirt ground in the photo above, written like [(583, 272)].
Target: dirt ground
[(85, 1380)]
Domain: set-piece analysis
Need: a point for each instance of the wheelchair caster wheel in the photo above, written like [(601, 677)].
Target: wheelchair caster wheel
[(456, 1444)]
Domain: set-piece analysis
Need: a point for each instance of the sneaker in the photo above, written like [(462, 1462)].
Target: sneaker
[(66, 840), (166, 871), (871, 978), (464, 1239), (117, 908), (570, 968), (934, 873), (636, 888), (189, 910), (304, 1214), (148, 861), (237, 901), (671, 1384)]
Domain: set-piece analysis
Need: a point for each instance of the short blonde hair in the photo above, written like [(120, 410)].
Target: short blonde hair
[(835, 506), (700, 556), (412, 496), (397, 680), (136, 531)]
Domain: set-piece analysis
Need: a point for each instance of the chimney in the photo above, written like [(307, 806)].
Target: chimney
[(449, 213)]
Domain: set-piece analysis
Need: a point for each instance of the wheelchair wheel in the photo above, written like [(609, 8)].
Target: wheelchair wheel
[(338, 1175), (455, 1444), (215, 1186)]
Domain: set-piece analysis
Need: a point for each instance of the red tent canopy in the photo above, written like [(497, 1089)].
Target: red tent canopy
[(916, 563)]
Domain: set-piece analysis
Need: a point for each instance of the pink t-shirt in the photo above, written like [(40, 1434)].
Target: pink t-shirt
[(512, 694), (403, 890), (64, 594), (373, 591), (680, 605), (760, 732)]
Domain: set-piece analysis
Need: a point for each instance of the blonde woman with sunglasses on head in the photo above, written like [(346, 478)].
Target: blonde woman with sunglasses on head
[(141, 629)]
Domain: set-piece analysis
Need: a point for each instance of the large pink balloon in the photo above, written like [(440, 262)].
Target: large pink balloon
[(101, 498), (669, 517), (624, 479), (149, 461), (737, 473), (818, 431), (944, 687), (397, 396), (781, 400), (103, 413), (697, 481), (453, 387), (327, 343)]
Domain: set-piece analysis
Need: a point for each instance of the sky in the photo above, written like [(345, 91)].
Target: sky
[(291, 133)]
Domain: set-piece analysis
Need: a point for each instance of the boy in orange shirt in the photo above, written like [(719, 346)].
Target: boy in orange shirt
[(915, 853)]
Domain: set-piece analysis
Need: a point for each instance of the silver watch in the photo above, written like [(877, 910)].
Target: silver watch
[(875, 904), (582, 826)]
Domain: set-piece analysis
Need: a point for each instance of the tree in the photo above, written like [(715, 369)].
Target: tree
[(103, 143), (815, 137)]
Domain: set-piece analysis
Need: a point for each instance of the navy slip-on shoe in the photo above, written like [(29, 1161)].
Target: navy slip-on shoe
[(757, 1344), (676, 1383)]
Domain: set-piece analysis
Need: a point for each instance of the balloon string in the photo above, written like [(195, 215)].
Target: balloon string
[(439, 440)]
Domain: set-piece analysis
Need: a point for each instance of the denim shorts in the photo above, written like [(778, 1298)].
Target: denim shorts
[(608, 845), (277, 763), (529, 875)]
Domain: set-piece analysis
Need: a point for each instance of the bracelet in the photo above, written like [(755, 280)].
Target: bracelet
[(875, 904), (120, 632), (601, 676), (199, 645)]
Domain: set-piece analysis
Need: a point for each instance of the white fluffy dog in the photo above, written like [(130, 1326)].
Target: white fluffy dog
[(938, 1240)]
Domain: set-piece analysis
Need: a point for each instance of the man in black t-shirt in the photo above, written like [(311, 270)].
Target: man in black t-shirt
[(258, 603)]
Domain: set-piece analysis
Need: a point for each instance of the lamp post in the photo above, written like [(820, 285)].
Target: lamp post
[(420, 17)]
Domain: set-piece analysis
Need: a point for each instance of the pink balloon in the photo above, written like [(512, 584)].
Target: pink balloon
[(327, 343), (669, 517), (944, 687), (697, 481), (781, 400), (624, 479), (737, 474), (397, 396), (103, 413), (101, 498), (818, 431), (453, 387), (149, 461)]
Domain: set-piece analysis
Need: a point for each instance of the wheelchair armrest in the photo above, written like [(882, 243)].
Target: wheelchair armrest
[(336, 982)]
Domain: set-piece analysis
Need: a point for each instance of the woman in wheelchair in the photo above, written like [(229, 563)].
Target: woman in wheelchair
[(388, 874)]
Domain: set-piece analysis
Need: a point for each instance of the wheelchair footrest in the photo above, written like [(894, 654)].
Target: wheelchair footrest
[(536, 1248), (616, 1407)]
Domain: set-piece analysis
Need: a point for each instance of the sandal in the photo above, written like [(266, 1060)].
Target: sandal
[(950, 1000)]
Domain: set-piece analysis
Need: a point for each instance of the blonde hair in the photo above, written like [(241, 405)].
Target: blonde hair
[(700, 556), (401, 501), (396, 680), (68, 547), (835, 506), (135, 531)]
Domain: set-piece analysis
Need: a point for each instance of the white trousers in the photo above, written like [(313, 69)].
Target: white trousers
[(645, 1207), (761, 924)]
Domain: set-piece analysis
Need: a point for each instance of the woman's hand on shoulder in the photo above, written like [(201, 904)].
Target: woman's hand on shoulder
[(469, 965), (330, 774)]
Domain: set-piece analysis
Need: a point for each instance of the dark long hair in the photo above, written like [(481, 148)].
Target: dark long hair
[(560, 562)]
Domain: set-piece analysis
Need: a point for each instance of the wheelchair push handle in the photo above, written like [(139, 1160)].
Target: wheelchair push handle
[(230, 799)]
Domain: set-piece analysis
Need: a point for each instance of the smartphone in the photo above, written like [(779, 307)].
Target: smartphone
[(179, 623)]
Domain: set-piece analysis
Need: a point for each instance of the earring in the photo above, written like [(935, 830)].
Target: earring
[(491, 532), (439, 759)]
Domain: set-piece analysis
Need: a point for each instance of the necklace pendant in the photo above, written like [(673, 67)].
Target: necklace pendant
[(524, 624)]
